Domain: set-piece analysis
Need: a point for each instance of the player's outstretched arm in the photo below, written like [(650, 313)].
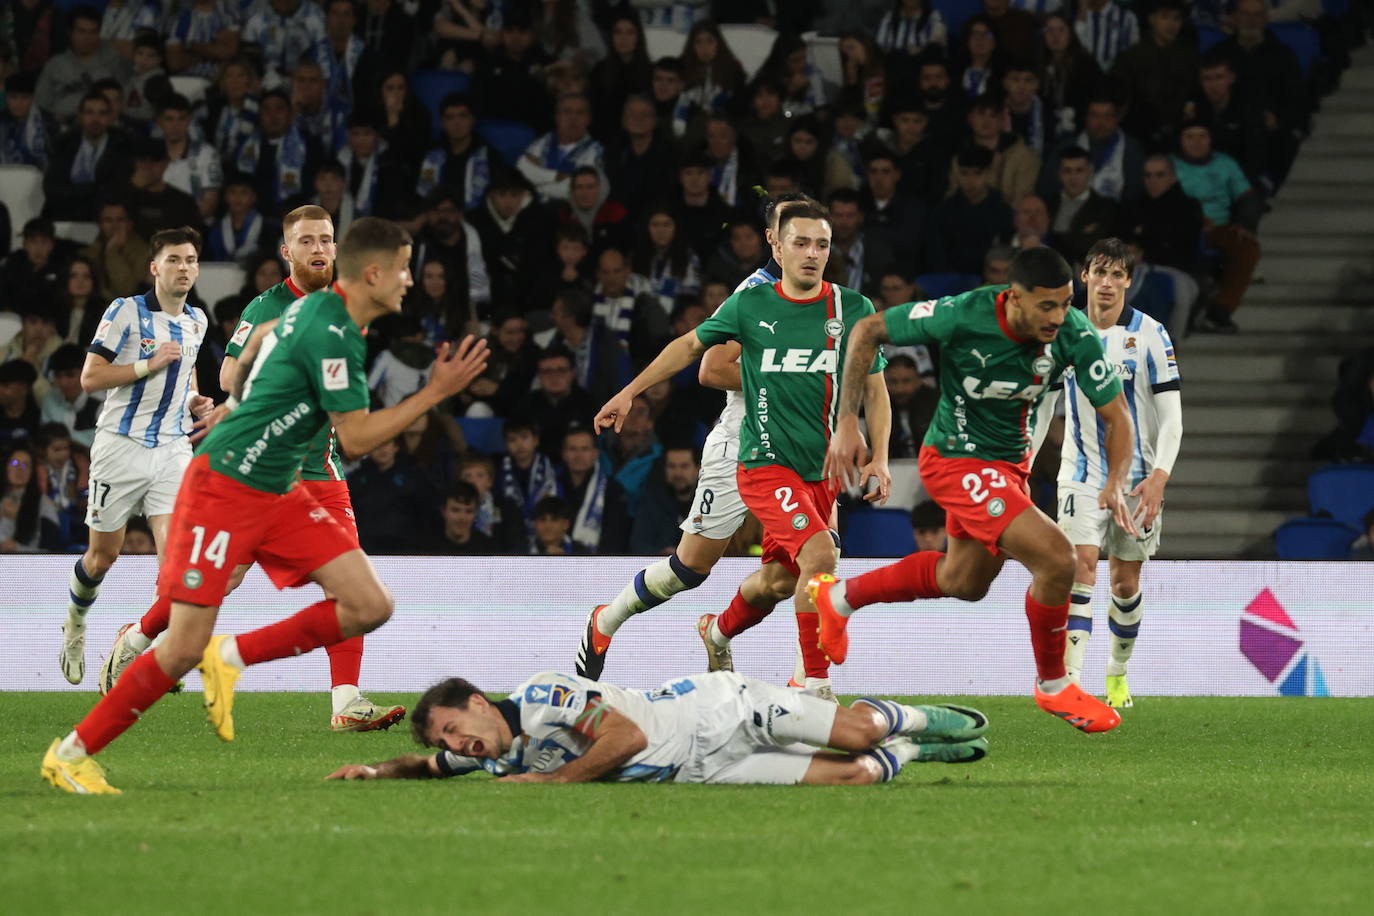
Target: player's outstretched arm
[(848, 451), (407, 766), (1168, 438), (99, 374), (878, 414), (675, 357), (615, 739), (1120, 447), (360, 431), (720, 367)]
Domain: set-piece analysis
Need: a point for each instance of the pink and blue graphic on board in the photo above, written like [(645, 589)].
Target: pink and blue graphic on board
[(1270, 640)]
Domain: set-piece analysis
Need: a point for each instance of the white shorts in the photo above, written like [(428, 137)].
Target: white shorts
[(756, 733), (1087, 525), (130, 479), (717, 508)]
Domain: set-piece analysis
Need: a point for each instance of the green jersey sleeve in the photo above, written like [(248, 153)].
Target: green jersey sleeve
[(333, 362), (723, 325), (1091, 371), (932, 321), (257, 312), (879, 358)]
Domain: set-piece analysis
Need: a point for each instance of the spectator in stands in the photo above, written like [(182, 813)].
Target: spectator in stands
[(699, 210), (1230, 210), (281, 156), (928, 526), (435, 440), (67, 77), (965, 223), (28, 519), (404, 123), (343, 56), (458, 534), (1353, 404), (663, 258), (1026, 111), (1166, 221), (625, 71), (997, 265), (79, 304), (1068, 72), (1159, 70), (517, 237), (447, 237), (87, 159), (232, 111), (559, 403), (510, 80), (403, 367), (263, 274), (331, 193), (1030, 223), (19, 414), (193, 166), (1079, 216), (26, 132), (203, 35), (625, 303), (550, 526), (1014, 27), (462, 161), (922, 159), (599, 363), (440, 311), (1106, 29), (665, 502), (1117, 158), (895, 289), (733, 174), (910, 27), (891, 216), (601, 520), (321, 117), (30, 274), (497, 517), (1015, 166), (943, 106), (824, 170), (148, 84), (680, 119), (60, 479), (639, 158), (526, 475), (1234, 118), (633, 450), (66, 401), (138, 538), (550, 160), (153, 203), (35, 341), (740, 255), (712, 73), (286, 31), (979, 61), (390, 499), (376, 177), (800, 82), (765, 129), (1152, 291), (913, 406), (858, 258), (242, 234), (605, 221)]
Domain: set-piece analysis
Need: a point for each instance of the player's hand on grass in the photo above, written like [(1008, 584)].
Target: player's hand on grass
[(166, 353), (847, 453), (1151, 493), (614, 412), (530, 777), (355, 771), (1113, 498), (458, 364), (877, 469), (201, 428)]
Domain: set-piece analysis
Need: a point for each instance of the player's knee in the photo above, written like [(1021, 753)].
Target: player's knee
[(1125, 583), (373, 608), (98, 561)]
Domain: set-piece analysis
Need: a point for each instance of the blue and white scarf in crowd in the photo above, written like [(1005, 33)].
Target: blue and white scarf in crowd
[(543, 481), (1109, 171), (230, 244), (975, 81), (476, 173), (365, 198), (291, 151), (557, 158), (235, 129), (725, 178), (339, 72), (586, 529), (87, 155), (27, 143), (1035, 127)]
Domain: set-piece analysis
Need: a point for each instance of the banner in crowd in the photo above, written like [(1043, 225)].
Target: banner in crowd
[(1209, 628)]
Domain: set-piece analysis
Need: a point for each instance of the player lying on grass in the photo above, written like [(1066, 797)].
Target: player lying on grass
[(708, 728)]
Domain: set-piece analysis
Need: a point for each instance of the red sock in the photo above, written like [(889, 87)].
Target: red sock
[(317, 625), (345, 661), (911, 577), (155, 621), (140, 686), (740, 616), (809, 638), (1048, 631)]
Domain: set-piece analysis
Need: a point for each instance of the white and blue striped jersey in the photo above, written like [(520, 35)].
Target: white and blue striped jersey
[(1107, 32), (733, 413), (153, 410), (1142, 356)]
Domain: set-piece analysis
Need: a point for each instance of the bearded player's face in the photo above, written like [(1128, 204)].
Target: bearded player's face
[(310, 249), (1039, 313), (805, 249)]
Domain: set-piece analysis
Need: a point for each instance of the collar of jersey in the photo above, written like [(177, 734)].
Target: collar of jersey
[(825, 291), (1002, 319), (293, 289), (510, 711), (1127, 313), (150, 300)]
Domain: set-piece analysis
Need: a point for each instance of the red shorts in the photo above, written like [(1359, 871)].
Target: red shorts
[(333, 495), (980, 497), (219, 524), (791, 510)]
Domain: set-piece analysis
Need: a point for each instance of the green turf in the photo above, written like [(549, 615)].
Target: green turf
[(1191, 806)]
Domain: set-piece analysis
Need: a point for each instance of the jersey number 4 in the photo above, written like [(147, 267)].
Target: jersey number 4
[(216, 551), (977, 490)]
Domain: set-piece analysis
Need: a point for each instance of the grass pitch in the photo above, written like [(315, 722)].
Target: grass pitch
[(1191, 806)]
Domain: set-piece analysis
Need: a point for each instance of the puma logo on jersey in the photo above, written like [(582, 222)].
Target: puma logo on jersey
[(337, 330), (769, 325), (982, 360), (799, 359), (1000, 391)]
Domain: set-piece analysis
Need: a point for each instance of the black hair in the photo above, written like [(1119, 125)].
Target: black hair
[(770, 209), (927, 514), (461, 491), (552, 505), (1111, 251), (845, 196), (901, 361), (174, 101), (556, 351), (457, 100), (1075, 152), (975, 157), (803, 211), (1039, 268), (183, 235), (986, 102), (671, 65), (366, 237), (452, 693), (67, 357), (26, 522), (577, 302), (88, 13), (520, 425)]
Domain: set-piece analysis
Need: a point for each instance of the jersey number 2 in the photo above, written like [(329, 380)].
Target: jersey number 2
[(974, 484), (784, 497), (216, 551)]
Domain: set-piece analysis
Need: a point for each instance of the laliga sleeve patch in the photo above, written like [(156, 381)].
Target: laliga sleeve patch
[(335, 373), (241, 333)]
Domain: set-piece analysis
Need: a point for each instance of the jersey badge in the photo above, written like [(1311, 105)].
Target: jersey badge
[(799, 521), (241, 333), (834, 328), (147, 346), (769, 325), (1130, 343), (335, 373), (996, 507), (1042, 365), (192, 578)]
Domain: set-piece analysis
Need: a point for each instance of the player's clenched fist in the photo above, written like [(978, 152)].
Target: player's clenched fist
[(166, 353), (458, 364), (614, 412), (846, 453)]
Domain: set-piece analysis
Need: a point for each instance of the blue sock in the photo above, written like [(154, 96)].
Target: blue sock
[(888, 764)]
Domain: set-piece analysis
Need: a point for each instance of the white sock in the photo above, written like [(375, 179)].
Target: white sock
[(1124, 619), (651, 586), (904, 751), (229, 652), (717, 637), (81, 595), (799, 668), (342, 695), (837, 599), (1055, 685), (1080, 629), (136, 639), (811, 683), (72, 748)]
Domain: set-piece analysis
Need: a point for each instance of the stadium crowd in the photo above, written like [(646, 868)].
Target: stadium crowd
[(580, 203)]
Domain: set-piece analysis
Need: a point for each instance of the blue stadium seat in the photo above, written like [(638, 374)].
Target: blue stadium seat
[(432, 85), (957, 13), (1314, 539), (1207, 37), (509, 138), (1344, 492), (1303, 40), (878, 533), (937, 285), (484, 434), (1335, 9)]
